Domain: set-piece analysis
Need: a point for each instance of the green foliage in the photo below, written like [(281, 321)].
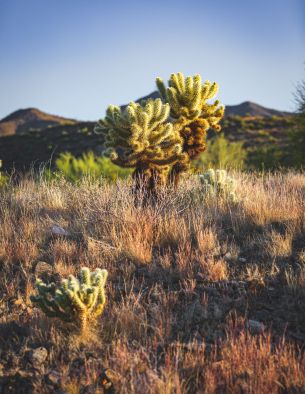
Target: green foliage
[(156, 137), (297, 142), (88, 164), (221, 153), (290, 153), (297, 135), (3, 178), (218, 183), (267, 157), (78, 300)]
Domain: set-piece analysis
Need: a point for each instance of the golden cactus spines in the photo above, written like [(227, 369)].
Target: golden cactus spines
[(191, 113), (142, 137)]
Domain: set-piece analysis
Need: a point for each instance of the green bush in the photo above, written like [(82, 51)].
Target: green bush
[(297, 143), (289, 154), (267, 157), (3, 178), (73, 168), (221, 153), (297, 135)]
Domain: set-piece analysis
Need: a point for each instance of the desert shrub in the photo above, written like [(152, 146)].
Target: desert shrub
[(221, 153), (3, 177), (292, 154), (159, 138), (297, 134), (88, 164), (76, 300), (217, 183), (267, 157)]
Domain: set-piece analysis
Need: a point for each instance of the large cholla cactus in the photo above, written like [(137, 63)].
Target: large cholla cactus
[(218, 183), (160, 138), (74, 300), (191, 113), (141, 137)]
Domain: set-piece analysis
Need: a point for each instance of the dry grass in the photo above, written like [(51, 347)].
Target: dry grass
[(185, 277)]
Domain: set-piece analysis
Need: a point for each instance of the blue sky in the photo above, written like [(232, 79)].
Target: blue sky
[(74, 57)]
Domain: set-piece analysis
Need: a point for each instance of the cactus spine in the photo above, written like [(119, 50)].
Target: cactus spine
[(80, 300)]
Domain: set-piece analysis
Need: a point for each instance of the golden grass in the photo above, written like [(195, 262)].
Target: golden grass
[(185, 276)]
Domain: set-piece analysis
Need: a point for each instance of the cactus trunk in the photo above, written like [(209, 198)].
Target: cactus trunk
[(147, 183), (83, 318)]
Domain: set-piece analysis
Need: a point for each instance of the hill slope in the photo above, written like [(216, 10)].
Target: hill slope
[(23, 120), (248, 108)]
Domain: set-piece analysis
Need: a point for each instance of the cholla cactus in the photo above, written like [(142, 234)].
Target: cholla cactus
[(75, 300), (188, 97), (191, 113), (218, 183), (141, 137), (160, 139)]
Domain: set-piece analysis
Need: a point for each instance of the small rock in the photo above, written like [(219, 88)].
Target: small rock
[(18, 302), (218, 335), (256, 327), (24, 374), (54, 378), (43, 268), (242, 260), (106, 379), (38, 356), (90, 389), (218, 312), (195, 313), (57, 230), (155, 294), (227, 256)]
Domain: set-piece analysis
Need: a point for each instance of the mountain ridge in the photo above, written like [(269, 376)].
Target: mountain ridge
[(23, 120), (27, 119), (245, 108)]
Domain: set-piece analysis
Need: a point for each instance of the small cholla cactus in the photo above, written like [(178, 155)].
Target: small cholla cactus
[(74, 300), (218, 183)]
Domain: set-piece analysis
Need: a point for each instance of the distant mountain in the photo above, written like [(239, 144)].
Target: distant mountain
[(247, 108), (24, 120)]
